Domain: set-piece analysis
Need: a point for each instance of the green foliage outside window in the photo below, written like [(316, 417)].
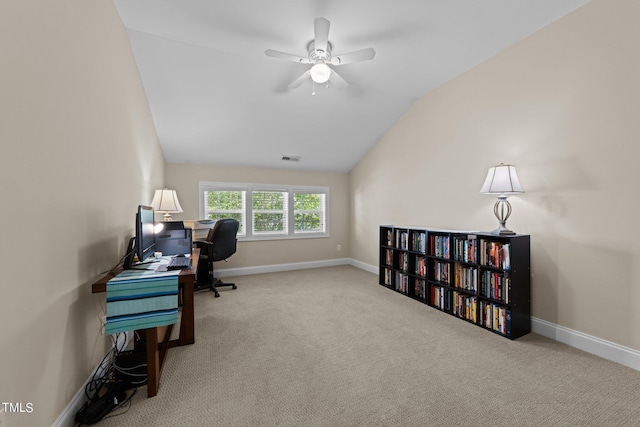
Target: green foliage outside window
[(307, 210), (269, 210), (225, 204), (224, 200)]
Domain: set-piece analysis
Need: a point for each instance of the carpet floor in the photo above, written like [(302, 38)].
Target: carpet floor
[(331, 347)]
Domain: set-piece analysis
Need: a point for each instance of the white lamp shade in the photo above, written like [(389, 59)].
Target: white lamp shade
[(502, 179), (320, 73), (166, 200)]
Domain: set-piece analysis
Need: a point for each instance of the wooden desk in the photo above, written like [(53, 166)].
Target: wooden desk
[(158, 338)]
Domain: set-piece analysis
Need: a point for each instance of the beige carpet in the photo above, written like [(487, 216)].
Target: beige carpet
[(331, 347)]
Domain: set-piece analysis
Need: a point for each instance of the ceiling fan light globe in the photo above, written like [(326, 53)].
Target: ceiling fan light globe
[(320, 73)]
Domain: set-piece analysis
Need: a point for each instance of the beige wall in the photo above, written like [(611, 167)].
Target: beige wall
[(562, 105), (185, 178), (79, 153)]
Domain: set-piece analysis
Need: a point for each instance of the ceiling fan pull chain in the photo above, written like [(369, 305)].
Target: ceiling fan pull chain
[(313, 92)]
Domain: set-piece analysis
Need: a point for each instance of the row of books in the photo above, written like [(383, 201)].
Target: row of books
[(419, 289), (439, 246), (464, 249), (388, 257), (495, 317), (402, 239), (441, 271), (387, 238), (466, 278), (421, 266), (403, 261), (495, 254), (440, 298), (418, 242), (495, 286), (402, 283), (465, 306), (388, 274)]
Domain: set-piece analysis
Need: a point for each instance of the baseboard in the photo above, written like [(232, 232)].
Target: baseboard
[(364, 266), (68, 416), (606, 349)]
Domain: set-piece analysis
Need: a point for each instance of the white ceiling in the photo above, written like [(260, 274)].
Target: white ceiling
[(216, 98)]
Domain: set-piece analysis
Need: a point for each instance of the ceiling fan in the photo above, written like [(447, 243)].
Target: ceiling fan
[(320, 56)]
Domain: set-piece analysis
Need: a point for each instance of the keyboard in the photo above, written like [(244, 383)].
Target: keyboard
[(179, 263)]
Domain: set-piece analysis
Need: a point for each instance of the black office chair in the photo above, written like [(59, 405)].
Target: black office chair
[(220, 245)]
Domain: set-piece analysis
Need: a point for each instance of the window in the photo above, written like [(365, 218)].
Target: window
[(309, 212), (225, 204), (268, 211)]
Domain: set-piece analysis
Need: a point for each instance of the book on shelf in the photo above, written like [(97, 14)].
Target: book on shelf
[(466, 277), (421, 266), (440, 298), (439, 246), (388, 257), (465, 248), (402, 282), (389, 237), (418, 241), (495, 254), (465, 306), (387, 277), (495, 317), (441, 271), (403, 261), (495, 286), (419, 289), (402, 239)]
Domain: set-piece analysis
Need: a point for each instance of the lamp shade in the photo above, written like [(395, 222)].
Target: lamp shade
[(166, 201), (502, 179)]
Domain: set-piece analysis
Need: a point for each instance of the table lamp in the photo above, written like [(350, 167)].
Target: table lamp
[(166, 201), (503, 181)]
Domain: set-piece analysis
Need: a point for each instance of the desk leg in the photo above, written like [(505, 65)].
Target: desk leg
[(187, 335), (153, 362)]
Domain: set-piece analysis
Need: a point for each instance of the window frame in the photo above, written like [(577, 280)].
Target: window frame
[(249, 188)]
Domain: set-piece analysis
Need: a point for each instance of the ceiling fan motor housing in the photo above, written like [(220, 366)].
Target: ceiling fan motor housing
[(316, 55)]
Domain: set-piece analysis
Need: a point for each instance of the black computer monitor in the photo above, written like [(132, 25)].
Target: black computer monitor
[(145, 242)]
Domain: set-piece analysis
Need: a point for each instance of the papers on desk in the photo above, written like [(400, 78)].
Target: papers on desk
[(140, 299)]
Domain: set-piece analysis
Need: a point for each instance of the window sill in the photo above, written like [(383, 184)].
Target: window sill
[(283, 237)]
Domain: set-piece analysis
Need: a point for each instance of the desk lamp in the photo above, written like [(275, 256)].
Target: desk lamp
[(503, 181), (166, 201)]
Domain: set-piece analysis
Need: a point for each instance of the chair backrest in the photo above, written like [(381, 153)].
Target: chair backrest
[(223, 238)]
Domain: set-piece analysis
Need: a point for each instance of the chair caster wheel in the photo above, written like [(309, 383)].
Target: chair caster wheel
[(216, 295), (234, 287)]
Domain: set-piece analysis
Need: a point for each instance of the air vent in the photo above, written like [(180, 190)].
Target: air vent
[(291, 158)]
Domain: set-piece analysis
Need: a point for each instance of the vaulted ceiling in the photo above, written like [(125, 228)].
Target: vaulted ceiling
[(216, 98)]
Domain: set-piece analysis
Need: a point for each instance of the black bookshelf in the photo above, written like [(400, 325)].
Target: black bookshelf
[(479, 277)]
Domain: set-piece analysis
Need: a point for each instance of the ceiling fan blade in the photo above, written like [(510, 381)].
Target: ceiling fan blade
[(338, 81), (286, 56), (355, 56), (297, 82), (321, 33)]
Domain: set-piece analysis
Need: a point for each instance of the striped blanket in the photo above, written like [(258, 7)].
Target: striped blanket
[(140, 299)]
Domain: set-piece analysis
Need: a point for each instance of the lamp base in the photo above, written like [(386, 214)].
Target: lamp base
[(167, 217), (502, 211), (503, 231)]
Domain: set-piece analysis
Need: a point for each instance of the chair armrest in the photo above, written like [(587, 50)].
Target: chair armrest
[(202, 244)]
